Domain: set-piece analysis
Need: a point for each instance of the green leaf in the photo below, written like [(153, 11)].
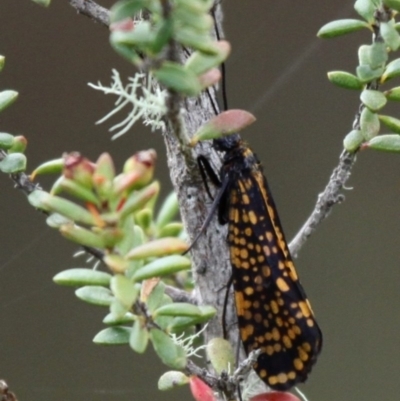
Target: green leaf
[(168, 210), (341, 27), (155, 298), (79, 191), (113, 320), (142, 37), (391, 122), (182, 322), (55, 220), (139, 337), (7, 98), (44, 3), (378, 55), (95, 295), (162, 35), (200, 21), (78, 277), (390, 35), (124, 290), (373, 99), (174, 76), (170, 353), (50, 167), (163, 266), (387, 143), (369, 123), (13, 163), (113, 336), (2, 62), (393, 94), (173, 229), (178, 309), (392, 70), (345, 80), (366, 74), (157, 248), (171, 380), (6, 141), (365, 8), (138, 199), (395, 4), (221, 355), (82, 236), (126, 9), (192, 38), (353, 140)]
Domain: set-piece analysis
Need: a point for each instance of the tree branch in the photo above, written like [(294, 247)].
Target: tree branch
[(91, 9)]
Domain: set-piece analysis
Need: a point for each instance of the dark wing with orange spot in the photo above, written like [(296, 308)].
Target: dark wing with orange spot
[(273, 311)]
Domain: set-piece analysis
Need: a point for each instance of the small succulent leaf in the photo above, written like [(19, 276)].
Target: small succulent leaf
[(390, 122), (50, 167), (395, 4), (378, 55), (157, 248), (138, 199), (353, 140), (126, 9), (200, 41), (79, 191), (225, 123), (13, 163), (7, 98), (6, 140), (364, 55), (387, 143), (171, 230), (341, 27), (113, 320), (345, 80), (124, 290), (373, 99), (70, 210), (200, 63), (118, 310), (116, 263), (55, 220), (163, 33), (390, 35), (200, 390), (139, 337), (168, 210), (144, 218), (172, 379), (366, 74), (118, 335), (392, 70), (2, 62), (181, 322), (221, 355), (174, 76), (178, 309), (154, 299), (366, 9), (44, 3), (171, 354), (127, 52), (199, 20), (78, 277), (37, 199), (393, 94), (19, 145), (82, 236), (162, 266), (95, 295), (369, 124)]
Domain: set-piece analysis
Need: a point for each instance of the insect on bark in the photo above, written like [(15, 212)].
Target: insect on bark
[(272, 308)]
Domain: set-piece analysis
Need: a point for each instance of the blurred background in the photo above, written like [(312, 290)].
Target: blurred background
[(350, 267)]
